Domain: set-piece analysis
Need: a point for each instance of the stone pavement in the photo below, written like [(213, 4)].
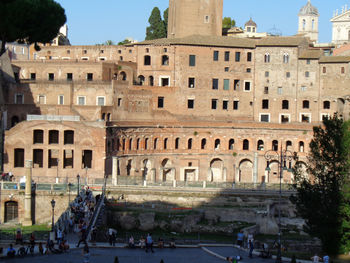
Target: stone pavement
[(104, 254)]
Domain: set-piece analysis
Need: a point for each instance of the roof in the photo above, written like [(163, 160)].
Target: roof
[(335, 59), (311, 54), (308, 9), (281, 41), (198, 40), (250, 23)]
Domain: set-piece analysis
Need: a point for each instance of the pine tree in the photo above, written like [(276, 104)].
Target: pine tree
[(165, 20), (321, 196), (156, 29)]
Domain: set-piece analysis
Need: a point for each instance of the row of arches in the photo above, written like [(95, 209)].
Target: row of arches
[(123, 144)]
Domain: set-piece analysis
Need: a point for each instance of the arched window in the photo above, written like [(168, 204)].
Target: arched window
[(108, 116), (260, 146), (151, 80), (147, 60), (138, 144), (289, 145), (155, 143), (177, 143), (203, 143), (165, 60), (275, 145), (123, 75), (267, 58), (118, 145), (286, 58), (231, 144), (301, 147), (103, 117), (217, 144), (146, 143), (141, 79), (124, 142), (245, 145), (313, 24), (304, 24), (130, 144), (189, 144), (306, 104), (165, 144)]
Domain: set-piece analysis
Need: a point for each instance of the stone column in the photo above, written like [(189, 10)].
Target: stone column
[(153, 174), (114, 170), (224, 174), (255, 168), (28, 195)]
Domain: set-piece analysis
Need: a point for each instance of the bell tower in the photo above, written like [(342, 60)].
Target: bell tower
[(308, 21), (195, 17)]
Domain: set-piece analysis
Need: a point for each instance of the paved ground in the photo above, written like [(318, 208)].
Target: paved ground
[(178, 255)]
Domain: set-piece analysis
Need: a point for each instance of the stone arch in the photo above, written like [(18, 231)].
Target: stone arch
[(123, 75), (260, 146), (167, 171), (274, 172), (216, 170), (246, 171), (141, 79), (146, 167), (217, 144), (165, 60), (289, 145), (340, 106), (150, 80), (231, 144), (203, 143), (11, 211)]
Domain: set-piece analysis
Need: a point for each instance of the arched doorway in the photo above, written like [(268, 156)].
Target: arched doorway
[(146, 169), (11, 211), (246, 171), (216, 170), (167, 171)]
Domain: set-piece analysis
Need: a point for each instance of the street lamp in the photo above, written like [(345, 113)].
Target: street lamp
[(78, 189), (69, 187), (53, 214), (282, 158)]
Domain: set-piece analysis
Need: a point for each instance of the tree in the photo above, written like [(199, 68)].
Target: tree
[(157, 28), (30, 21), (322, 197), (108, 43), (165, 20), (124, 42), (227, 22)]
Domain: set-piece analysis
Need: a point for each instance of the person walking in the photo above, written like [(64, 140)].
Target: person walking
[(251, 248), (149, 243), (315, 259), (240, 237)]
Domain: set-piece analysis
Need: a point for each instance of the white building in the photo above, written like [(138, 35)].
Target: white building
[(308, 21), (341, 26)]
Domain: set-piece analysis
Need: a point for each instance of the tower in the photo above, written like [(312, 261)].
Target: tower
[(308, 21), (195, 17)]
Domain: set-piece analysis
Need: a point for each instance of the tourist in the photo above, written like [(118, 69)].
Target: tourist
[(19, 237), (11, 252), (142, 243), (131, 242), (251, 248), (326, 258), (149, 242), (172, 243), (116, 260), (111, 236), (32, 239), (315, 258), (160, 242), (240, 237), (41, 249), (86, 254), (250, 238)]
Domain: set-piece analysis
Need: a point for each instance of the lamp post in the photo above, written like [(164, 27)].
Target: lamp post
[(53, 214), (281, 158), (86, 178), (78, 188), (69, 187)]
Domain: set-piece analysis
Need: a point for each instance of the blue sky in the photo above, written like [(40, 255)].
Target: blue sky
[(91, 21)]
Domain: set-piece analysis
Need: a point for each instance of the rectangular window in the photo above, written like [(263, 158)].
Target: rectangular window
[(342, 70), (227, 55), (266, 90), (302, 89), (249, 56), (284, 118), (264, 117), (307, 74), (68, 137), (237, 56), (41, 99), (324, 70), (38, 158), (38, 136), (160, 102), (32, 76), (100, 101), (267, 74), (247, 86), (226, 69), (19, 99), (190, 103), (81, 100), (226, 84), (192, 61), (119, 102), (265, 104), (308, 61), (235, 104), (249, 70), (279, 91), (225, 105), (61, 99), (236, 84), (53, 136), (191, 82), (19, 157), (89, 76), (87, 159), (215, 84), (69, 76), (216, 55), (287, 74), (51, 76), (214, 104), (305, 117)]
